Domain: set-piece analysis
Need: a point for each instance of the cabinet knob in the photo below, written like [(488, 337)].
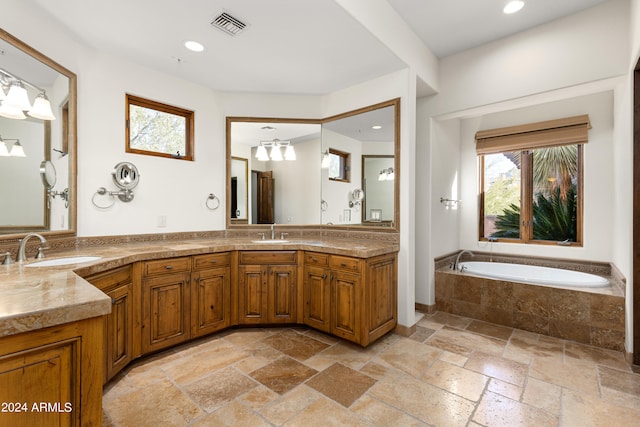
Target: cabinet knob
[(113, 301), (324, 276)]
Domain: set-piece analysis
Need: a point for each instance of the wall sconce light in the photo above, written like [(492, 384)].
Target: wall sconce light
[(17, 150), (16, 99), (386, 175), (326, 160), (276, 153)]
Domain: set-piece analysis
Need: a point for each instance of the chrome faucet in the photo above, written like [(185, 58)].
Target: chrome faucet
[(457, 263), (273, 231), (22, 256)]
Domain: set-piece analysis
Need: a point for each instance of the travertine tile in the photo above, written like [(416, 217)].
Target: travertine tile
[(543, 395), (219, 388), (409, 356), (600, 356), (460, 381), (283, 374), (429, 404), (382, 415), (498, 411), (579, 410), (232, 415), (324, 413), (421, 334), (348, 354), (574, 375), (504, 388), (624, 382), (449, 320), (293, 344), (468, 340), (453, 358), (497, 367), (489, 329), (289, 404), (569, 306), (258, 397), (342, 384), (141, 408)]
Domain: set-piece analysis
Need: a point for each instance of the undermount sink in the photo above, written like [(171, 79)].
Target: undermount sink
[(63, 261), (271, 241)]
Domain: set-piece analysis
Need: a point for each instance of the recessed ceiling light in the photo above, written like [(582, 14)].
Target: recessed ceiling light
[(376, 127), (513, 6), (193, 46)]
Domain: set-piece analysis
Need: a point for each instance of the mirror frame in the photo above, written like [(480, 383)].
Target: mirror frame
[(396, 152), (72, 131)]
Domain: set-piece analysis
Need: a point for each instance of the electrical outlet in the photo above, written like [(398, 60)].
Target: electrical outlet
[(162, 221)]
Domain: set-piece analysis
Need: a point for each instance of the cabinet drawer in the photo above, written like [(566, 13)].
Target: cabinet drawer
[(344, 263), (265, 257), (111, 278), (166, 266), (313, 258), (201, 262)]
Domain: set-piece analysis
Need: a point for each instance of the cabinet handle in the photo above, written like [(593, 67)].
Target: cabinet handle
[(214, 261), (343, 265), (169, 267), (324, 276)]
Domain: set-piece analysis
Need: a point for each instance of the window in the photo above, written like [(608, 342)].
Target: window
[(339, 165), (158, 129), (531, 182)]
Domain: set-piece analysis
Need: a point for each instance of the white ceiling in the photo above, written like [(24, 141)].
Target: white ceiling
[(289, 46)]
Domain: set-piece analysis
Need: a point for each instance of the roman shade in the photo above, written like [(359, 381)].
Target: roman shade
[(550, 133)]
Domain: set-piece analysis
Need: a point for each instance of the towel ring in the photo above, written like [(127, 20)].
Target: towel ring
[(102, 191), (324, 206), (209, 202)]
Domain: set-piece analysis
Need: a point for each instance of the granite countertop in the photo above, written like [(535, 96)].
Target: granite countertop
[(33, 298)]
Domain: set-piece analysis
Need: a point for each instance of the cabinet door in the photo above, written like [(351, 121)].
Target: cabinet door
[(281, 300), (210, 308), (252, 285), (166, 319), (346, 307), (47, 374), (317, 298), (119, 330), (382, 299)]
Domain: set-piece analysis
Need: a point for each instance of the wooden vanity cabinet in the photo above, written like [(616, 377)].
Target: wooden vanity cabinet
[(119, 324), (267, 287), (210, 293), (166, 315), (52, 377), (352, 298)]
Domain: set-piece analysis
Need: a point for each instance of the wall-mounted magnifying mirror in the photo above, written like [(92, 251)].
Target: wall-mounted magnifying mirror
[(48, 174), (125, 176), (36, 136), (287, 182)]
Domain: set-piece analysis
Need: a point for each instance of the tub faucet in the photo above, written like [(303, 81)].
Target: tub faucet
[(22, 256), (455, 266)]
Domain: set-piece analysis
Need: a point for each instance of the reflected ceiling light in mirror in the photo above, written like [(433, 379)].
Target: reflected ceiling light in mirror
[(16, 150), (17, 99), (376, 127), (41, 108), (513, 7), (289, 153), (261, 153), (386, 175), (11, 112), (276, 152)]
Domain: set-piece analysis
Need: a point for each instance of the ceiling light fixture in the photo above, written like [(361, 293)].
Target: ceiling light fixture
[(193, 46), (513, 7), (17, 99), (386, 175)]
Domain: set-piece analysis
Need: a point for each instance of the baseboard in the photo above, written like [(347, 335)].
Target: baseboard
[(405, 331), (424, 308)]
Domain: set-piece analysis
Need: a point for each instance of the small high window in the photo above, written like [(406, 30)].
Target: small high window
[(157, 129), (339, 165)]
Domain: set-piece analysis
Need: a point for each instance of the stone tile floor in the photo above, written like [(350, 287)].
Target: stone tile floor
[(453, 371)]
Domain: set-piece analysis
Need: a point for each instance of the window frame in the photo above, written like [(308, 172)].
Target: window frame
[(165, 108), (345, 170), (527, 200)]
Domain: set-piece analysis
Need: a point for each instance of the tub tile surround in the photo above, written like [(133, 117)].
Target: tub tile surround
[(593, 316), (453, 371)]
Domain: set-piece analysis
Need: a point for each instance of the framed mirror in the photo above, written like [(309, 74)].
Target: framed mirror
[(30, 138), (299, 192)]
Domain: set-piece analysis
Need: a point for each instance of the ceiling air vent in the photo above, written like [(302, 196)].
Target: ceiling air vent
[(228, 24)]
